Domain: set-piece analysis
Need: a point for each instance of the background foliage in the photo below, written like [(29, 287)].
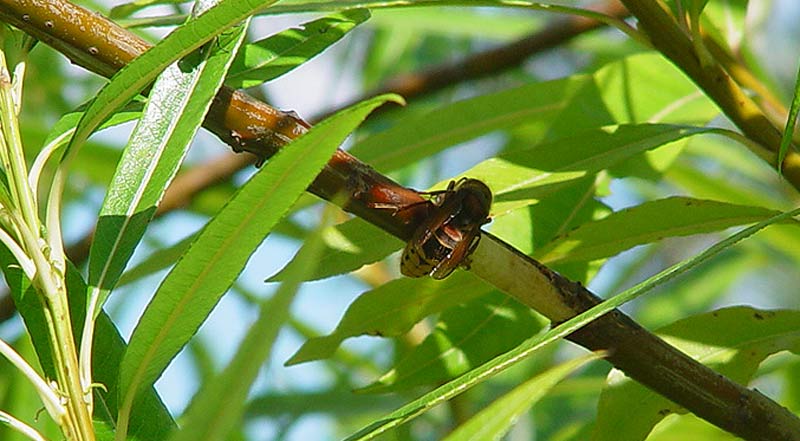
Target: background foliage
[(607, 164)]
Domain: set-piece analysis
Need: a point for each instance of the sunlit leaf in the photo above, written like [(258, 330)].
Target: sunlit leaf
[(276, 55)]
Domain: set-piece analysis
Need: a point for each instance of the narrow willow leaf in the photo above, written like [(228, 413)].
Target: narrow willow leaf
[(177, 106), (67, 123), (135, 76), (733, 341), (392, 309), (465, 337), (209, 267), (495, 421), (278, 54), (647, 223), (178, 103), (536, 343), (206, 419)]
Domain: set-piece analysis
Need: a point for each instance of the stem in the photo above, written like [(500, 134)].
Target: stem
[(48, 278), (49, 282), (16, 168), (48, 396)]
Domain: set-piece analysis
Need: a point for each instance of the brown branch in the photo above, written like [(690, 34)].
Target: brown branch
[(249, 125)]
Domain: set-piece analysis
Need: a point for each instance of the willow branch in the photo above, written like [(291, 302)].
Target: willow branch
[(250, 125)]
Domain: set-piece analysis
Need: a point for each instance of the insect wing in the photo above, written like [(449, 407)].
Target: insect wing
[(457, 255)]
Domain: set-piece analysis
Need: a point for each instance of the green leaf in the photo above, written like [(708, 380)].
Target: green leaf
[(419, 136), (157, 261), (456, 22), (465, 337), (349, 246), (727, 22), (530, 228), (150, 421), (67, 123), (493, 422), (647, 88), (278, 54), (647, 223), (524, 176), (392, 309), (733, 341), (177, 106), (701, 289), (209, 267), (206, 419), (136, 75)]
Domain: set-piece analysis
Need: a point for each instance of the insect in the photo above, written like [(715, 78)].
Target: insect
[(450, 233)]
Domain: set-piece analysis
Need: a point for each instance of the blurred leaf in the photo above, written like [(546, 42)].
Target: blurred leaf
[(733, 341), (465, 337), (701, 289), (726, 21), (496, 420), (420, 136), (206, 419), (646, 223), (20, 399), (646, 88), (349, 246), (130, 8), (688, 426), (392, 309), (556, 213), (278, 54), (472, 23), (159, 260), (66, 124), (215, 259), (524, 176)]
